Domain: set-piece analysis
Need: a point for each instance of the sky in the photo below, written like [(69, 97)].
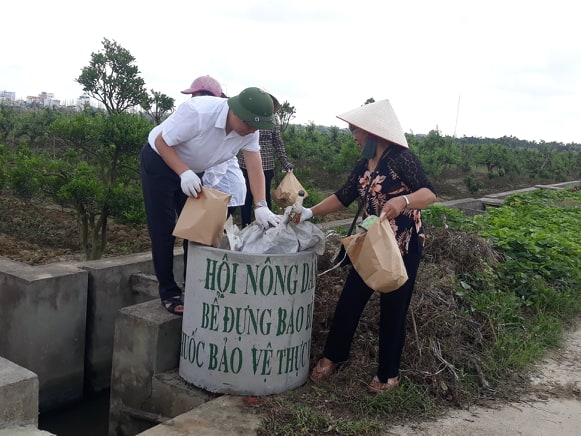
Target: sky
[(484, 69)]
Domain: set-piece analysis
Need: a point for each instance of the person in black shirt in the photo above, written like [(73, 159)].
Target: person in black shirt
[(399, 190)]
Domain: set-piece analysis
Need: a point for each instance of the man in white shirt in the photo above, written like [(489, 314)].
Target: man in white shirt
[(203, 132), (227, 176)]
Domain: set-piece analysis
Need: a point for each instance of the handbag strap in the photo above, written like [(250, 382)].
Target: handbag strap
[(386, 153), (359, 209)]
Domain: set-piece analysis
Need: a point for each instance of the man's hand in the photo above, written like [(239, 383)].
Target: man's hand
[(306, 214), (266, 218), (191, 183)]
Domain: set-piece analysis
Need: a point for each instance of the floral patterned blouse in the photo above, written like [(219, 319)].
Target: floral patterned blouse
[(399, 172)]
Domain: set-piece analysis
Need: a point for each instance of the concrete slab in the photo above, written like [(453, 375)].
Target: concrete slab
[(146, 342), (109, 290), (470, 206), (172, 395), (145, 386), (495, 202), (223, 416), (18, 395), (144, 283), (24, 431), (505, 194), (42, 320)]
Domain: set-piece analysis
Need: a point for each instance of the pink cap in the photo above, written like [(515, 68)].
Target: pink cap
[(205, 83)]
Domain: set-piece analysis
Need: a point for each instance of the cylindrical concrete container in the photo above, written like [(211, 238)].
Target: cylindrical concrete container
[(247, 321)]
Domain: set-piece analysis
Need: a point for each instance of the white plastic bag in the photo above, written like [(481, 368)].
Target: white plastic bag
[(282, 239)]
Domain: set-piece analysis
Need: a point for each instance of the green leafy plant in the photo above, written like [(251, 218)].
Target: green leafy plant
[(534, 293), (538, 234), (23, 173)]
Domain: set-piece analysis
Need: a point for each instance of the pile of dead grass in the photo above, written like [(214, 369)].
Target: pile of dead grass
[(443, 364)]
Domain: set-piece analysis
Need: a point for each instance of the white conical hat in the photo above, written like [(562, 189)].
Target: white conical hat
[(378, 119)]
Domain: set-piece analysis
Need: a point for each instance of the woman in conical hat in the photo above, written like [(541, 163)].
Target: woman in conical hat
[(391, 181)]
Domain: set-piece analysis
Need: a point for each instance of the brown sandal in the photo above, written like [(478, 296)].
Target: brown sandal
[(321, 372), (378, 386)]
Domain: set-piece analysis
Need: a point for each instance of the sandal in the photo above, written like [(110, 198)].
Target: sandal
[(321, 372), (378, 386), (174, 305)]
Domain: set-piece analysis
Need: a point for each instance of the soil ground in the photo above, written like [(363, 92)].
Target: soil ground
[(551, 407)]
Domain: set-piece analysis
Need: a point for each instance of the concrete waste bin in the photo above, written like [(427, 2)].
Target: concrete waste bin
[(247, 320)]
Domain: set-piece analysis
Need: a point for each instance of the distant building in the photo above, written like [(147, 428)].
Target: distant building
[(46, 100), (33, 100), (7, 96), (44, 96), (83, 101)]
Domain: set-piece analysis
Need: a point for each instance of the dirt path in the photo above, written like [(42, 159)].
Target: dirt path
[(552, 408)]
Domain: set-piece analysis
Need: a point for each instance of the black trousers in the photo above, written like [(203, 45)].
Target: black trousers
[(392, 319), (164, 201), (246, 209)]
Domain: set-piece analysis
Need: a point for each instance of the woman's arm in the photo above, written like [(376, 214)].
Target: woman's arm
[(327, 206), (419, 199)]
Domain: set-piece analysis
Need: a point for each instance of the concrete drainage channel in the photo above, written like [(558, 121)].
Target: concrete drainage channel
[(90, 417)]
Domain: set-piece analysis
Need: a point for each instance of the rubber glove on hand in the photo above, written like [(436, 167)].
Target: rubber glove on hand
[(306, 214), (265, 217), (191, 183)]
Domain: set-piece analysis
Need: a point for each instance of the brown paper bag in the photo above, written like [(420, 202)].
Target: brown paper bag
[(376, 257), (202, 219), (287, 190)]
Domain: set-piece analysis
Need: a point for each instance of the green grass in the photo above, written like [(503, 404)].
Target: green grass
[(405, 401), (294, 418), (535, 294)]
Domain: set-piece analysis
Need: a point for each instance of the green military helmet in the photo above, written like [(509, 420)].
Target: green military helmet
[(255, 107)]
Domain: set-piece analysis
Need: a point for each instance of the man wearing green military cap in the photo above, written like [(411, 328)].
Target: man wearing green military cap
[(203, 132)]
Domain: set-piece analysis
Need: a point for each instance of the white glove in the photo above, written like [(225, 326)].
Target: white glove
[(266, 218), (306, 214), (191, 183)]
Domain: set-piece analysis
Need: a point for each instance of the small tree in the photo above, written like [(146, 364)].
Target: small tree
[(7, 120), (157, 106), (34, 125), (22, 175), (436, 153), (285, 113), (113, 79), (98, 175)]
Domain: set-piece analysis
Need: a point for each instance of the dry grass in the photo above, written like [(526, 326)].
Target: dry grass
[(441, 360)]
